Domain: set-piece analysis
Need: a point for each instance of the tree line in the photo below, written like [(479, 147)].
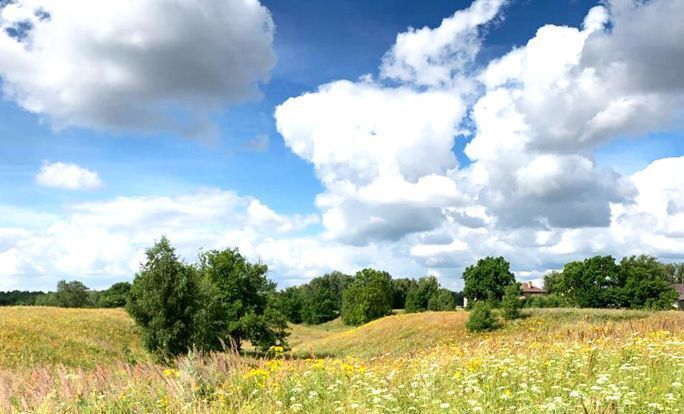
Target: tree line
[(225, 301)]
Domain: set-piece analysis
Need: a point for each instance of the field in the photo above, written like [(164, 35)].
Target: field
[(552, 361)]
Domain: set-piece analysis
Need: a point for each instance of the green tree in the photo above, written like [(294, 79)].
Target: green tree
[(368, 297), (116, 296), (592, 283), (72, 294), (646, 283), (487, 279), (552, 280), (419, 296), (674, 272), (289, 303), (481, 318), (400, 290), (163, 301), (442, 300), (322, 297), (511, 303), (235, 298)]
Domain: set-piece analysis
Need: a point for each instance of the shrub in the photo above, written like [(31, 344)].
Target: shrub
[(511, 302), (549, 301), (443, 300), (481, 318), (368, 297)]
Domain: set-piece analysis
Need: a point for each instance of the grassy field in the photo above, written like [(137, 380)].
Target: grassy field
[(552, 361)]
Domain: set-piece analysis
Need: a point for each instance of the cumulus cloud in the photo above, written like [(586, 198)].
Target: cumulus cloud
[(103, 241), (67, 175), (146, 65)]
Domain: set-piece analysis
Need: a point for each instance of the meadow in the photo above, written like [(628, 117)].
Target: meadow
[(551, 361)]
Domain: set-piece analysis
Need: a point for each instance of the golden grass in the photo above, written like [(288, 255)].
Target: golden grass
[(552, 361), (32, 336)]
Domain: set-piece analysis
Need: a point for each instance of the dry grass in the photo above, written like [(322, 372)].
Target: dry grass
[(553, 361)]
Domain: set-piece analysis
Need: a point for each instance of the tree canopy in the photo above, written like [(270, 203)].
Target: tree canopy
[(368, 297), (487, 279)]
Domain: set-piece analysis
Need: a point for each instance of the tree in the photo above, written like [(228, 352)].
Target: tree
[(289, 303), (72, 294), (442, 300), (322, 297), (400, 290), (116, 296), (481, 318), (552, 280), (674, 272), (163, 301), (368, 297), (487, 279), (235, 303), (646, 283), (418, 297), (592, 283), (511, 302)]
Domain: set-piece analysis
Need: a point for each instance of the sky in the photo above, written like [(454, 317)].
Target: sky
[(409, 136)]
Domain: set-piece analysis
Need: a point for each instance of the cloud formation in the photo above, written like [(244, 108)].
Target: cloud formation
[(67, 175), (146, 65)]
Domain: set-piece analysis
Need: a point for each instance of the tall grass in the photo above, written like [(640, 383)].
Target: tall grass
[(553, 361)]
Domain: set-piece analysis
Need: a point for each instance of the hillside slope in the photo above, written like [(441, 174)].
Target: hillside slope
[(74, 337)]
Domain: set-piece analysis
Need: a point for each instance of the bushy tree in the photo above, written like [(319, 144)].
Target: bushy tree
[(289, 303), (322, 297), (549, 301), (674, 272), (487, 279), (442, 300), (400, 290), (164, 300), (481, 318), (592, 283), (419, 296), (368, 297), (511, 303), (72, 294), (235, 303), (645, 283), (114, 297), (552, 280)]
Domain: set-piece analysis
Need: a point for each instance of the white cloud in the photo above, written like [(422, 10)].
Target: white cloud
[(67, 175), (145, 65)]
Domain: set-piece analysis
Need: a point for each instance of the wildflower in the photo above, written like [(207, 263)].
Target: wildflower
[(444, 406)]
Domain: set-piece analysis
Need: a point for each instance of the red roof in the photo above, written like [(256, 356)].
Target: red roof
[(528, 287), (680, 289)]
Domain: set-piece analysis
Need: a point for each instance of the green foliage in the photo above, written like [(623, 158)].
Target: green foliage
[(114, 297), (164, 300), (592, 283), (481, 318), (551, 281), (321, 298), (487, 279), (442, 300), (400, 290), (418, 297), (548, 301), (289, 303), (19, 298), (674, 272), (646, 284), (234, 296), (511, 303), (368, 297), (72, 294)]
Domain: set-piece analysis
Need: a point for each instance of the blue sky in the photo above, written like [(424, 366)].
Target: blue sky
[(312, 184)]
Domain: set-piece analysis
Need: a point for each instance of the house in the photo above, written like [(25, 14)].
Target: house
[(528, 289), (680, 301)]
